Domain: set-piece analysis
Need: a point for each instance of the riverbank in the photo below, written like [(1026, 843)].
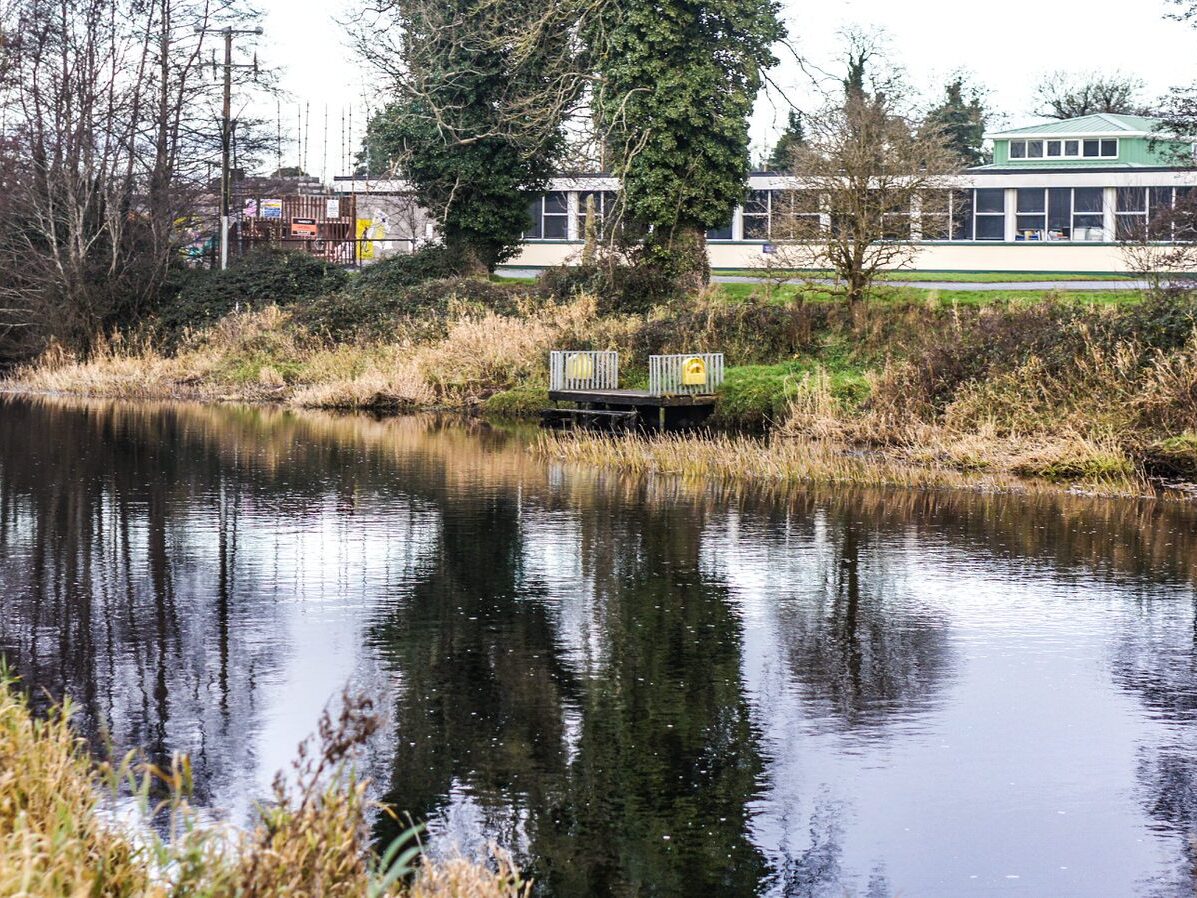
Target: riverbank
[(57, 838), (1102, 396)]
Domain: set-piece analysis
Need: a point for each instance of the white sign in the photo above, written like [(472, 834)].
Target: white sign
[(332, 209)]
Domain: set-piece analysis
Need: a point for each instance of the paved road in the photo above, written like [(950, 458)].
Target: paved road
[(923, 285)]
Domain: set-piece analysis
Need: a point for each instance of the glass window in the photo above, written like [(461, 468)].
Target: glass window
[(1088, 199), (1109, 149), (1054, 148), (723, 233), (991, 227), (962, 215), (794, 214), (990, 216), (935, 215), (756, 215), (535, 211), (1072, 148), (1034, 149), (556, 216), (1059, 213), (1132, 199), (991, 199), (1092, 148), (1032, 200), (604, 211), (1018, 149)]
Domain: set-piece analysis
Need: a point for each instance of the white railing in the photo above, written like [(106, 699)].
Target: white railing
[(583, 370), (696, 372)]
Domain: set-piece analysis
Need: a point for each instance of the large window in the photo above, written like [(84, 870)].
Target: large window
[(604, 210), (755, 217), (1101, 148), (549, 216), (1158, 213), (989, 213), (794, 214), (1059, 213)]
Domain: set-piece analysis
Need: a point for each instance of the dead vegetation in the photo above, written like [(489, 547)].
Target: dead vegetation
[(56, 838)]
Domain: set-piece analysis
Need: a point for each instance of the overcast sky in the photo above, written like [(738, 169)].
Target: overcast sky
[(1007, 47)]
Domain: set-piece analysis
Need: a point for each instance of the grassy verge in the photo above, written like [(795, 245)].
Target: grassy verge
[(57, 840), (952, 277), (790, 292)]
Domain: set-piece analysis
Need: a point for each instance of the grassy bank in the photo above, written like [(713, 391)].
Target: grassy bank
[(56, 838), (1094, 390)]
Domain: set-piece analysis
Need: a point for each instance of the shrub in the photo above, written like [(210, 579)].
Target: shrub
[(419, 311), (432, 263), (259, 279)]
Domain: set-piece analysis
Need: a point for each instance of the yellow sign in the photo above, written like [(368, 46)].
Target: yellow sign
[(694, 372), (365, 248), (579, 366)]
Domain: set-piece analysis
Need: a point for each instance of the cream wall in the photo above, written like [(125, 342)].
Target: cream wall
[(1046, 257)]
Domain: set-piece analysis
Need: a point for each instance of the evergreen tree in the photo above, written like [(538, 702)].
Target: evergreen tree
[(781, 158), (480, 93), (676, 84), (960, 117)]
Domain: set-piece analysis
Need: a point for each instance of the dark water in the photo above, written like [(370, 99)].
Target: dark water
[(642, 687)]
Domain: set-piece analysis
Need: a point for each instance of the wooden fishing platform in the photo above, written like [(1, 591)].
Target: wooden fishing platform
[(584, 388)]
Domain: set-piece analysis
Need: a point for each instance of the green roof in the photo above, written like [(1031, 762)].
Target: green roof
[(1102, 124)]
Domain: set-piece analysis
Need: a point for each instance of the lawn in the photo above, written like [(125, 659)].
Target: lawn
[(947, 277)]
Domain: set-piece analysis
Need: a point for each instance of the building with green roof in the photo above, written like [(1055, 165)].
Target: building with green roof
[(1059, 196)]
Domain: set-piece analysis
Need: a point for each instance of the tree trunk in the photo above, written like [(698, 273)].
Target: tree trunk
[(682, 256)]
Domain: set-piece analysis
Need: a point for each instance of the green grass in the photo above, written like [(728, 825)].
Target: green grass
[(950, 277), (945, 297), (519, 403), (755, 396)]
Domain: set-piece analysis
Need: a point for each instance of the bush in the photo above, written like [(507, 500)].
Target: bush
[(419, 311), (431, 263), (259, 279)]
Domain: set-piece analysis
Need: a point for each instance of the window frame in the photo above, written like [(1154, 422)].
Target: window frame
[(1062, 143)]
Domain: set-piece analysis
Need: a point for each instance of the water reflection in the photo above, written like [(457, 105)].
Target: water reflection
[(643, 686)]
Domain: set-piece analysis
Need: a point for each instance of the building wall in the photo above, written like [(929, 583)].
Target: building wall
[(1098, 258)]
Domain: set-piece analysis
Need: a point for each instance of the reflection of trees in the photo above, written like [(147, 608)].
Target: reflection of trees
[(647, 792), (1156, 660), (124, 580), (858, 650)]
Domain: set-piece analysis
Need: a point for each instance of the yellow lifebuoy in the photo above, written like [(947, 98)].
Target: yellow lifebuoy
[(694, 372), (579, 366)]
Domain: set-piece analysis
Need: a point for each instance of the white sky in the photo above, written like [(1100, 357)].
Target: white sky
[(1007, 47)]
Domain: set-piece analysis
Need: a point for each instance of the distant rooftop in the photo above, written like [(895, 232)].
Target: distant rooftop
[(1102, 124)]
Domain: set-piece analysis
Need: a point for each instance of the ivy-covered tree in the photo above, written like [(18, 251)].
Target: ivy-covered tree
[(676, 84), (960, 117), (480, 93), (781, 157)]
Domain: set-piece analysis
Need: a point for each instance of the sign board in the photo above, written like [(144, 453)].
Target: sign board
[(251, 209), (332, 209), (304, 227), (365, 238), (272, 209)]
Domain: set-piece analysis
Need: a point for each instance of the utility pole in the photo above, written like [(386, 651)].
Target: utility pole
[(226, 134)]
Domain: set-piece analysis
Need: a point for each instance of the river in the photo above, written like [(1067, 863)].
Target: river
[(641, 686)]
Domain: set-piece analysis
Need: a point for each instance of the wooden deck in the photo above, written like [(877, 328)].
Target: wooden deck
[(621, 409), (631, 398)]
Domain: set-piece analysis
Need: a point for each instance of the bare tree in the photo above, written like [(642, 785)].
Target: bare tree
[(107, 129), (1160, 244), (871, 186), (1062, 95)]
